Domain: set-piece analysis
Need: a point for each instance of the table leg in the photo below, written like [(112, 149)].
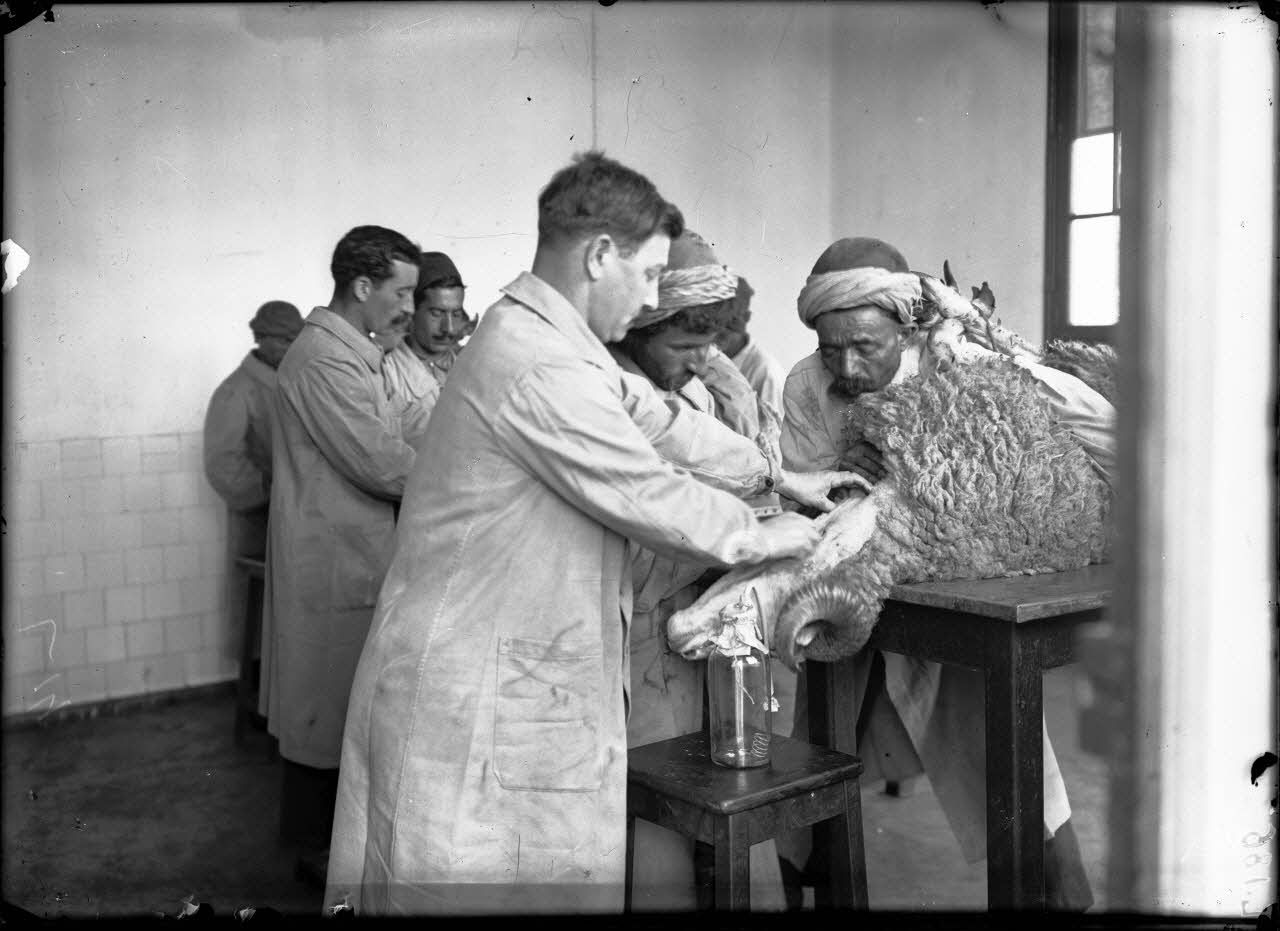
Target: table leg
[(1015, 773), (832, 704), (733, 864)]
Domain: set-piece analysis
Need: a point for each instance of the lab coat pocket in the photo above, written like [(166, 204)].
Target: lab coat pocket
[(361, 556), (547, 716)]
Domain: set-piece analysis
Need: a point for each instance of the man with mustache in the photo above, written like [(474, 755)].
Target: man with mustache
[(861, 300)]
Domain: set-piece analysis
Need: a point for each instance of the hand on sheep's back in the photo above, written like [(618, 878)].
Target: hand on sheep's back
[(980, 483), (862, 458)]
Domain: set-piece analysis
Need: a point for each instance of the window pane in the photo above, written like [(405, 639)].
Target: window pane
[(1094, 272), (1092, 178), (1097, 66)]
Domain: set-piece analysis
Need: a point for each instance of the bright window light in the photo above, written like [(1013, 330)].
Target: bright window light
[(1094, 271), (1092, 174)]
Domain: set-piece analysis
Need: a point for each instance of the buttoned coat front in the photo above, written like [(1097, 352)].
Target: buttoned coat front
[(338, 467)]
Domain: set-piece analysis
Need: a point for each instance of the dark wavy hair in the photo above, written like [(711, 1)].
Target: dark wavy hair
[(370, 251), (595, 194), (705, 318)]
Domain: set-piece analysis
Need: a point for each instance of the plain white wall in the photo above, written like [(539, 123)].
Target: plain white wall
[(938, 141), (170, 167), (728, 107)]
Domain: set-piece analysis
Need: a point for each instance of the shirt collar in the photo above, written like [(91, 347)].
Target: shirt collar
[(552, 306), (258, 370), (358, 342)]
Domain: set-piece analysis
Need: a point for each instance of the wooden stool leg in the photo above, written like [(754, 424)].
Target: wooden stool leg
[(631, 864), (733, 864), (848, 858), (704, 875)]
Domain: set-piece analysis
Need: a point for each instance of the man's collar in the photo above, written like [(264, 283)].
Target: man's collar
[(358, 342), (552, 306), (258, 370)]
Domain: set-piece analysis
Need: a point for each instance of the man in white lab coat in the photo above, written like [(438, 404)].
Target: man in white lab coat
[(339, 466), (484, 761)]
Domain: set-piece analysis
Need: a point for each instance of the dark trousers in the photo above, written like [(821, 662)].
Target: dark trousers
[(306, 805)]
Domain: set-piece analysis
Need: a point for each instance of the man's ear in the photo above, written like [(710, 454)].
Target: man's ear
[(905, 332), (361, 288), (597, 253)]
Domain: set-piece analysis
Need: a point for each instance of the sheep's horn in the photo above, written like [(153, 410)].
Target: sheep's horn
[(949, 278), (832, 615), (816, 617)]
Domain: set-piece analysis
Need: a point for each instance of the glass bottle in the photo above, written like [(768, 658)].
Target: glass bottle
[(740, 690)]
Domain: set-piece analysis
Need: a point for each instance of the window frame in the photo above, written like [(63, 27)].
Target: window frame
[(1064, 83)]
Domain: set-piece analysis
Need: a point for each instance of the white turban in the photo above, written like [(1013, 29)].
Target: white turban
[(897, 292), (680, 288)]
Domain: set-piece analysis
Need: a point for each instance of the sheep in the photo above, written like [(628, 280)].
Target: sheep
[(981, 483)]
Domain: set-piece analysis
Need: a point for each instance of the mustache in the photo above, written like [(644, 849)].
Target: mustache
[(846, 388)]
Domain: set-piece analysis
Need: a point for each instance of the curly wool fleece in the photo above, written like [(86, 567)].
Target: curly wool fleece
[(982, 483)]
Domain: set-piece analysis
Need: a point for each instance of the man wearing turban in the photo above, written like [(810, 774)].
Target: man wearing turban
[(673, 347), (416, 368), (866, 306)]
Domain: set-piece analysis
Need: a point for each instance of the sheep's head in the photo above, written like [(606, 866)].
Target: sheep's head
[(982, 483)]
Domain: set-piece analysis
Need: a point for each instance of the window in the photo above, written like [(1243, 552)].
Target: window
[(1082, 236)]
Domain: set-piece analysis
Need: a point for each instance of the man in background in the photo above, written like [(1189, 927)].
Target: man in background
[(237, 442), (761, 370), (673, 346), (339, 465), (415, 370)]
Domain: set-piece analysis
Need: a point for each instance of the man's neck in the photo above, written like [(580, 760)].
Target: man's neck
[(736, 344), (348, 311), (559, 268)]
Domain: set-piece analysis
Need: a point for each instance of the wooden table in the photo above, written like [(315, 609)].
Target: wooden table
[(1011, 630)]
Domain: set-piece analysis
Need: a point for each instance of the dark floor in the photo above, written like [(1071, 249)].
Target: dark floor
[(130, 814)]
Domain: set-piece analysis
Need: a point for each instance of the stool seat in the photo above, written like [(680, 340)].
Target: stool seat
[(674, 783), (682, 768)]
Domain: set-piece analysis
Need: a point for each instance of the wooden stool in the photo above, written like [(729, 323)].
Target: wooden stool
[(251, 572), (674, 784)]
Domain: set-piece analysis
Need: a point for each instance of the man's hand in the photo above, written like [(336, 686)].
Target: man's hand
[(813, 489), (788, 535), (865, 460)]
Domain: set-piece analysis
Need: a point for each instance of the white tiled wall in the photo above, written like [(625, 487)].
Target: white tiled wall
[(114, 571)]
